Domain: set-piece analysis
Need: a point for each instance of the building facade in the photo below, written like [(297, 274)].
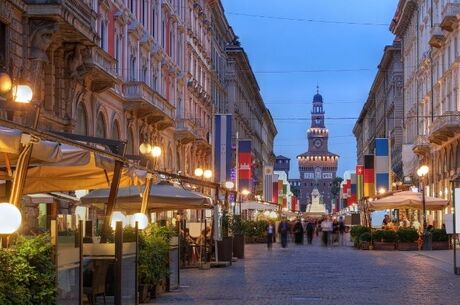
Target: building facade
[(283, 163), (152, 71), (382, 114), (431, 50), (251, 118), (317, 166)]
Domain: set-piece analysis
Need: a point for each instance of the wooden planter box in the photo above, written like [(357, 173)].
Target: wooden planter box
[(440, 245), (408, 246), (225, 249), (238, 246), (384, 246), (364, 245)]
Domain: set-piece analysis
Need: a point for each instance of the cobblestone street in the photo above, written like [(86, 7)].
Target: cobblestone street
[(316, 275)]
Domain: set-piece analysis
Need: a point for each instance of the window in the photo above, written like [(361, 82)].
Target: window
[(118, 53), (100, 126), (82, 122), (103, 35), (153, 21)]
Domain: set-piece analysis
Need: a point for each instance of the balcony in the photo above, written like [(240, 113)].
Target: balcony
[(437, 37), (148, 104), (102, 68), (76, 18), (185, 130), (445, 127), (449, 16), (421, 145)]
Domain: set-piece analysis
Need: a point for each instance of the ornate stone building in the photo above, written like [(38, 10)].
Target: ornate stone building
[(431, 50), (382, 114), (317, 166)]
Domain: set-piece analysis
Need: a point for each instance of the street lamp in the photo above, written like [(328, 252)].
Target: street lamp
[(422, 172), (141, 220), (145, 148), (5, 83), (116, 217), (10, 221), (21, 91), (382, 190), (207, 174), (199, 172), (156, 151), (229, 185)]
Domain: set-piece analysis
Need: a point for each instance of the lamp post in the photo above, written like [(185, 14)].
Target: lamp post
[(10, 221), (422, 172)]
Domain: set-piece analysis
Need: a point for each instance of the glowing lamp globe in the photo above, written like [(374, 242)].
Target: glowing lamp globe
[(199, 172), (141, 219), (116, 217), (5, 83), (245, 192), (22, 94), (10, 218), (156, 151), (207, 174), (145, 148), (273, 214), (229, 185)]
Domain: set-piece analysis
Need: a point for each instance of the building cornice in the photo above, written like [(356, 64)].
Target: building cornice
[(403, 16)]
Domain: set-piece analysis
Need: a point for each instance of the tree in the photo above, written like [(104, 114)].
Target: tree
[(335, 190)]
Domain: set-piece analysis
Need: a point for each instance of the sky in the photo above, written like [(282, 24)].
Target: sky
[(295, 45)]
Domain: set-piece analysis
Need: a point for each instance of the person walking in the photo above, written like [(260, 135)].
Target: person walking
[(342, 229), (298, 232), (326, 228), (283, 229), (310, 231), (270, 229)]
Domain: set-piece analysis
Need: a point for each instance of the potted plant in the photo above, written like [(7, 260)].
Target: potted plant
[(238, 230), (365, 240), (407, 239), (225, 246), (384, 239), (356, 231), (440, 239)]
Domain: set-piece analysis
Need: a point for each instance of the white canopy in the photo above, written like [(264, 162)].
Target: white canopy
[(407, 200), (256, 205)]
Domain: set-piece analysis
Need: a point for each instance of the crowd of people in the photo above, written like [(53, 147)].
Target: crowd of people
[(330, 230)]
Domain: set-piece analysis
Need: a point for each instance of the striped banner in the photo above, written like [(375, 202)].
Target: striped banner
[(280, 192), (382, 165), (268, 183), (223, 147), (368, 178), (244, 165), (359, 182), (275, 189), (349, 199)]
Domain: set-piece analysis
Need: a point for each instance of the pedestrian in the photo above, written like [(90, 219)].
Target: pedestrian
[(283, 230), (335, 231), (342, 229), (310, 230), (326, 228), (270, 229), (298, 232)]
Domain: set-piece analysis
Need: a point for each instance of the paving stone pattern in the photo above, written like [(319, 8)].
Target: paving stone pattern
[(317, 275)]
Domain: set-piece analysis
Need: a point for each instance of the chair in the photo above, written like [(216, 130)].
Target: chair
[(97, 287)]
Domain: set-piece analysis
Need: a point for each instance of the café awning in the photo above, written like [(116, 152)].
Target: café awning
[(259, 206), (56, 167), (407, 200), (164, 196)]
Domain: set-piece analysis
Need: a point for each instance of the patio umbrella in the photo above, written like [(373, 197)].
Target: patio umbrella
[(407, 200), (164, 196)]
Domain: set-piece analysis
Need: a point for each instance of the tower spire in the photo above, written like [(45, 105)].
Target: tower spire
[(317, 88)]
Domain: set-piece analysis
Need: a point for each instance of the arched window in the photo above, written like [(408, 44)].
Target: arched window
[(100, 126), (82, 121), (116, 130)]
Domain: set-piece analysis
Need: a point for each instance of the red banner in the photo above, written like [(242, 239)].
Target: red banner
[(244, 165)]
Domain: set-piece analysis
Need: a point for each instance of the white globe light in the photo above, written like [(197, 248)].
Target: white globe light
[(207, 174), (22, 94), (145, 148), (229, 185), (116, 217), (156, 151), (273, 214), (141, 219), (199, 172), (10, 218)]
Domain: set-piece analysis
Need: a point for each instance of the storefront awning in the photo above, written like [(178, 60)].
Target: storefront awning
[(164, 196), (407, 200), (259, 206)]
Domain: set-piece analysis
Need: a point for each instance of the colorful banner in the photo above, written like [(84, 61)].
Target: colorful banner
[(294, 204), (268, 183), (280, 192), (349, 199), (244, 165), (222, 147), (369, 186), (382, 165), (359, 182), (352, 189), (275, 191)]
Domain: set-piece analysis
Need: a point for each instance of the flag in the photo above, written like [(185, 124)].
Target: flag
[(353, 189), (294, 205), (359, 182), (368, 178), (223, 147), (382, 165), (268, 183), (349, 199), (275, 189), (244, 165), (280, 192)]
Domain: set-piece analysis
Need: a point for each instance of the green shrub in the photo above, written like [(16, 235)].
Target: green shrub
[(366, 236), (407, 235), (255, 228), (356, 231), (385, 236), (439, 235), (27, 272)]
